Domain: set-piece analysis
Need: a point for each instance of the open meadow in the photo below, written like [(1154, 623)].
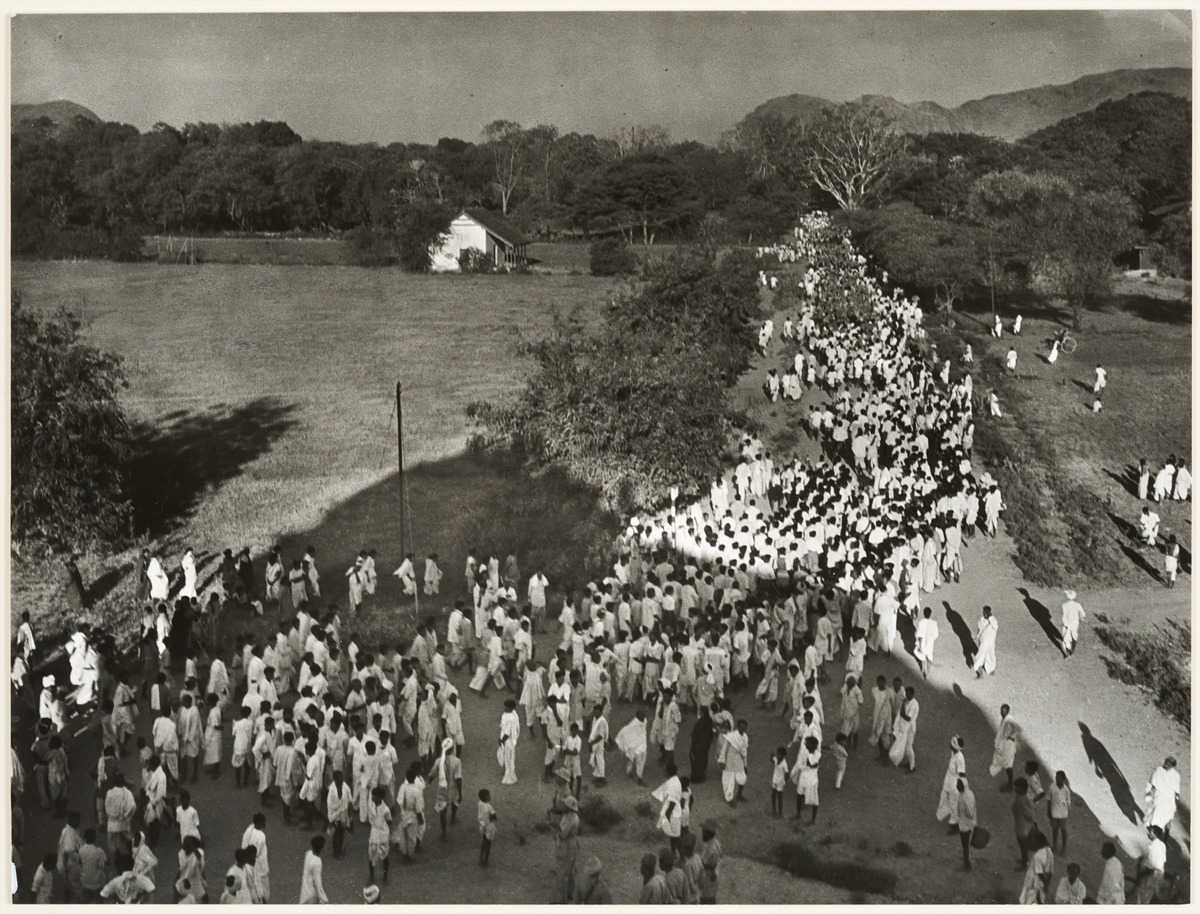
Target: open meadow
[(264, 395)]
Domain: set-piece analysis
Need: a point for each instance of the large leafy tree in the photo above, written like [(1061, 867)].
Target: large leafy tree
[(70, 436), (1061, 238)]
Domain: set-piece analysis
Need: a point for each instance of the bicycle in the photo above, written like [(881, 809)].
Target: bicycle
[(1068, 344)]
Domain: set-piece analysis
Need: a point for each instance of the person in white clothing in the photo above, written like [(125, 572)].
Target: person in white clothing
[(1162, 795), (1072, 615), (312, 888), (985, 644), (927, 635), (407, 575), (188, 564)]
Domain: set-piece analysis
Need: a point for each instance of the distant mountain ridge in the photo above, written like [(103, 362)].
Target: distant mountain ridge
[(1009, 115), (62, 112)]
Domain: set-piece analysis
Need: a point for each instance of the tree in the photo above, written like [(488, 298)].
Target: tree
[(1063, 240), (919, 251), (1096, 227), (850, 151), (637, 140), (507, 142), (650, 190), (632, 405), (70, 436)]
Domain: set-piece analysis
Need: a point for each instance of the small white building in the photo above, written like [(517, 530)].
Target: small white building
[(484, 232)]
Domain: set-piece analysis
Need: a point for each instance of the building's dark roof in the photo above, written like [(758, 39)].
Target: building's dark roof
[(497, 226)]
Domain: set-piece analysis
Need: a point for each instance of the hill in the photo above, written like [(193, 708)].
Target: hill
[(1010, 115), (62, 112)]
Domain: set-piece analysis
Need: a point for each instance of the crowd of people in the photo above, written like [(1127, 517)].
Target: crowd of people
[(785, 578)]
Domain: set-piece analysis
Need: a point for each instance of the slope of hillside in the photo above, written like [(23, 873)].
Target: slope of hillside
[(1010, 115), (1017, 114), (62, 112)]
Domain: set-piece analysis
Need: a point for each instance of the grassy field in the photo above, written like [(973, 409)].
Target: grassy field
[(259, 250), (264, 395), (1144, 343)]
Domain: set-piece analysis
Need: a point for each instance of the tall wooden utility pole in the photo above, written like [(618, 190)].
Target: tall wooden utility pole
[(400, 458)]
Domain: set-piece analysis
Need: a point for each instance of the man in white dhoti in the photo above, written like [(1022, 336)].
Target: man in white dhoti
[(737, 750), (1010, 361), (407, 575), (905, 732), (510, 732), (1183, 483), (160, 584), (188, 565), (883, 635), (948, 801), (1004, 748), (985, 644), (1163, 481), (597, 743), (670, 815), (927, 635), (1162, 795), (881, 714), (1148, 526), (1072, 615), (631, 741)]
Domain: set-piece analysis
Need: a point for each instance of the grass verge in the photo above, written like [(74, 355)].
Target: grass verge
[(1157, 660)]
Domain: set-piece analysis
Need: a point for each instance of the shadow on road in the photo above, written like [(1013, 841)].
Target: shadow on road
[(1041, 615), (962, 630), (1107, 769)]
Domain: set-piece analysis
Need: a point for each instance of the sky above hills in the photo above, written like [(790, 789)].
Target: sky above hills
[(387, 77)]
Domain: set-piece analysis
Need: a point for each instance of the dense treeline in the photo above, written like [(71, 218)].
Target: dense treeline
[(93, 188)]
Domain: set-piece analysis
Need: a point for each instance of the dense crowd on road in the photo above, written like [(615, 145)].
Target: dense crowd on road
[(785, 576)]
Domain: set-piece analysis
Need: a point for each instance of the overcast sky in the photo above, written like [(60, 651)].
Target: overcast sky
[(388, 77)]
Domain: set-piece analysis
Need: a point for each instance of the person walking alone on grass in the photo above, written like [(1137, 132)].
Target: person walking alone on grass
[(1072, 615)]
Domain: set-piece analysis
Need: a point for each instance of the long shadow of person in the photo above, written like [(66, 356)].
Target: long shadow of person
[(1041, 615), (1127, 528), (1126, 479), (906, 628), (1140, 560), (959, 624), (1107, 768)]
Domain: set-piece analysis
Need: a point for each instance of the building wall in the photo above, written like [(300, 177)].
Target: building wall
[(464, 233)]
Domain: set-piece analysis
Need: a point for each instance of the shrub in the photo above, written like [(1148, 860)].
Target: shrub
[(612, 257), (1157, 661), (598, 814), (473, 260), (70, 436), (371, 246), (844, 874)]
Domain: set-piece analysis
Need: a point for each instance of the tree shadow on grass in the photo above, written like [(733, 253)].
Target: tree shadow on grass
[(1149, 308), (962, 630), (189, 453), (1041, 615), (1107, 768)]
